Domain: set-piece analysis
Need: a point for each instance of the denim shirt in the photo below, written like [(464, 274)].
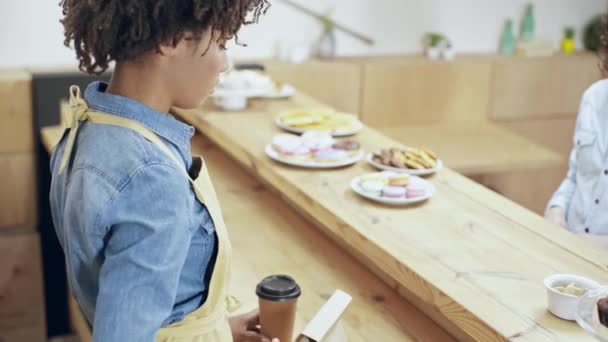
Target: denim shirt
[(584, 192), (139, 247)]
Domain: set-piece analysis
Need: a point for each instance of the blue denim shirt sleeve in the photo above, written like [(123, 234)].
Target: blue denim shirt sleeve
[(144, 255)]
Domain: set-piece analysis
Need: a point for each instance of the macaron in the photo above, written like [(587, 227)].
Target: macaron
[(329, 155), (317, 140), (393, 192), (298, 151), (348, 145), (415, 191), (372, 187), (399, 180), (288, 144)]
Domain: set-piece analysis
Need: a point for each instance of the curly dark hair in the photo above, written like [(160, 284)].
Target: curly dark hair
[(118, 30)]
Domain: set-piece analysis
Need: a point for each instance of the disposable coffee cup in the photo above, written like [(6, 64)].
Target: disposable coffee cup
[(278, 296)]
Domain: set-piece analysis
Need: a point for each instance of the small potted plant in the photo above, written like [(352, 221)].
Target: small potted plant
[(568, 43), (447, 50), (432, 44)]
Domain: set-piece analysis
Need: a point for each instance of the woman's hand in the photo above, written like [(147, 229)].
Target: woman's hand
[(557, 215), (246, 328)]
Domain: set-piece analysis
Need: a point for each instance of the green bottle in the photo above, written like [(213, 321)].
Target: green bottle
[(507, 42), (528, 25)]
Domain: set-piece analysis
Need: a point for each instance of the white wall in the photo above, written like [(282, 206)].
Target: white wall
[(31, 35)]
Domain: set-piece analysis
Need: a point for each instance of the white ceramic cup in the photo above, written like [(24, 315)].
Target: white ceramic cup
[(564, 305), (232, 103)]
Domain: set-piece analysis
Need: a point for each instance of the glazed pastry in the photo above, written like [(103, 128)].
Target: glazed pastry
[(393, 192), (399, 180), (372, 187), (347, 145)]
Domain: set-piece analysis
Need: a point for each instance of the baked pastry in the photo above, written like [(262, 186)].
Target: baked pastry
[(372, 186), (399, 180), (319, 118), (347, 145), (410, 158), (317, 140)]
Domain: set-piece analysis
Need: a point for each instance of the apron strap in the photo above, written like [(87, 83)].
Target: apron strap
[(79, 111)]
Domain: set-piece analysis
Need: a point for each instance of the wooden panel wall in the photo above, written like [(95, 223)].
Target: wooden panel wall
[(22, 313), (22, 310), (16, 125), (420, 92), (17, 159), (335, 83), (17, 190), (527, 88)]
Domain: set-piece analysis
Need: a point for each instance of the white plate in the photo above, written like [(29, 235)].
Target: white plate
[(274, 155), (414, 172), (336, 133), (286, 91), (430, 191)]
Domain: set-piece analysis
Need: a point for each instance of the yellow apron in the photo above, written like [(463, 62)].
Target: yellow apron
[(210, 321)]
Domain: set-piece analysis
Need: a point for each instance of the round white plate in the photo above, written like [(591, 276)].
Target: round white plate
[(336, 133), (248, 92), (414, 172), (430, 191), (274, 155), (286, 91)]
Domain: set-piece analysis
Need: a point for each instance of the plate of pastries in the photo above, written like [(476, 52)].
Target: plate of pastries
[(314, 149), (393, 188), (301, 120), (413, 161), (249, 83)]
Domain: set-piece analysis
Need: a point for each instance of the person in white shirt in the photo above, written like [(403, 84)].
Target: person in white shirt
[(580, 204)]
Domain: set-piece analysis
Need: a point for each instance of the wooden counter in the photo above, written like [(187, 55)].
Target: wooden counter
[(474, 149), (471, 259), (269, 237)]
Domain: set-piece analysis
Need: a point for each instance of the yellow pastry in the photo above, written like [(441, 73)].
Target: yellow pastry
[(399, 180)]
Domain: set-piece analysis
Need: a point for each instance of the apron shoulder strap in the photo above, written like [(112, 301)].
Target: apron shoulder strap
[(79, 111)]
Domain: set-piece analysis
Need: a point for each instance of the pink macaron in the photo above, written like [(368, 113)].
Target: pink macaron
[(394, 192), (415, 191)]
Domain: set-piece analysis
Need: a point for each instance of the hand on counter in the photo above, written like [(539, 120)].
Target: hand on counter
[(246, 328), (557, 215)]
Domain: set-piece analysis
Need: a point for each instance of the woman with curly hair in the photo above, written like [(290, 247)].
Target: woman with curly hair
[(147, 252)]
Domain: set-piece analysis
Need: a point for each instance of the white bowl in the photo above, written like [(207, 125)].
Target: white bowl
[(565, 305)]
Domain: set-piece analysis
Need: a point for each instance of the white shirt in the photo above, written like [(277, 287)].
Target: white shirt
[(583, 194)]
